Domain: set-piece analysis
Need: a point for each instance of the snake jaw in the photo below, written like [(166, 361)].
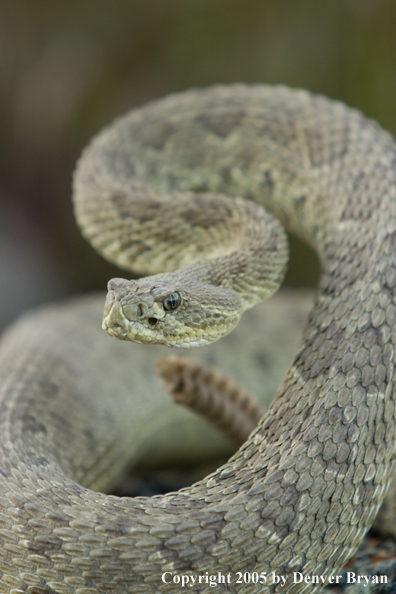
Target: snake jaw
[(120, 322), (159, 309), (135, 311)]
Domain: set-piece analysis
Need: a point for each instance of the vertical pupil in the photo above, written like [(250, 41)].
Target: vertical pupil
[(172, 301)]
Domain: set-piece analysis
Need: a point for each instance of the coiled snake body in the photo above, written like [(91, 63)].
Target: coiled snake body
[(302, 491)]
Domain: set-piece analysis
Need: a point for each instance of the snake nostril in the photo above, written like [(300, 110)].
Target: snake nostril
[(152, 321)]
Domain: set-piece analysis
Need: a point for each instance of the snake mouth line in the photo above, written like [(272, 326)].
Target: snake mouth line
[(127, 330)]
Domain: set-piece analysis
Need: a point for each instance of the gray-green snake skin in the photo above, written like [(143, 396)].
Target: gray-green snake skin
[(302, 491)]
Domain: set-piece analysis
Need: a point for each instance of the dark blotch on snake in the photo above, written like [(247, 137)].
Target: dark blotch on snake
[(31, 424), (221, 124)]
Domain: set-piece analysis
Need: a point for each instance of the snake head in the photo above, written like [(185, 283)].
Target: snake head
[(157, 310)]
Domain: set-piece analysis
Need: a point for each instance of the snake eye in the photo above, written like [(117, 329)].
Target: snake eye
[(172, 301)]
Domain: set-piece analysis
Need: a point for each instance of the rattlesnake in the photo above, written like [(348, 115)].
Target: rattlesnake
[(302, 491)]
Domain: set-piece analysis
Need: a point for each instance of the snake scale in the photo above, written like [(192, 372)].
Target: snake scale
[(300, 494)]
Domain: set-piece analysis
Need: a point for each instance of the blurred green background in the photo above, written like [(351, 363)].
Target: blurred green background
[(68, 68)]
